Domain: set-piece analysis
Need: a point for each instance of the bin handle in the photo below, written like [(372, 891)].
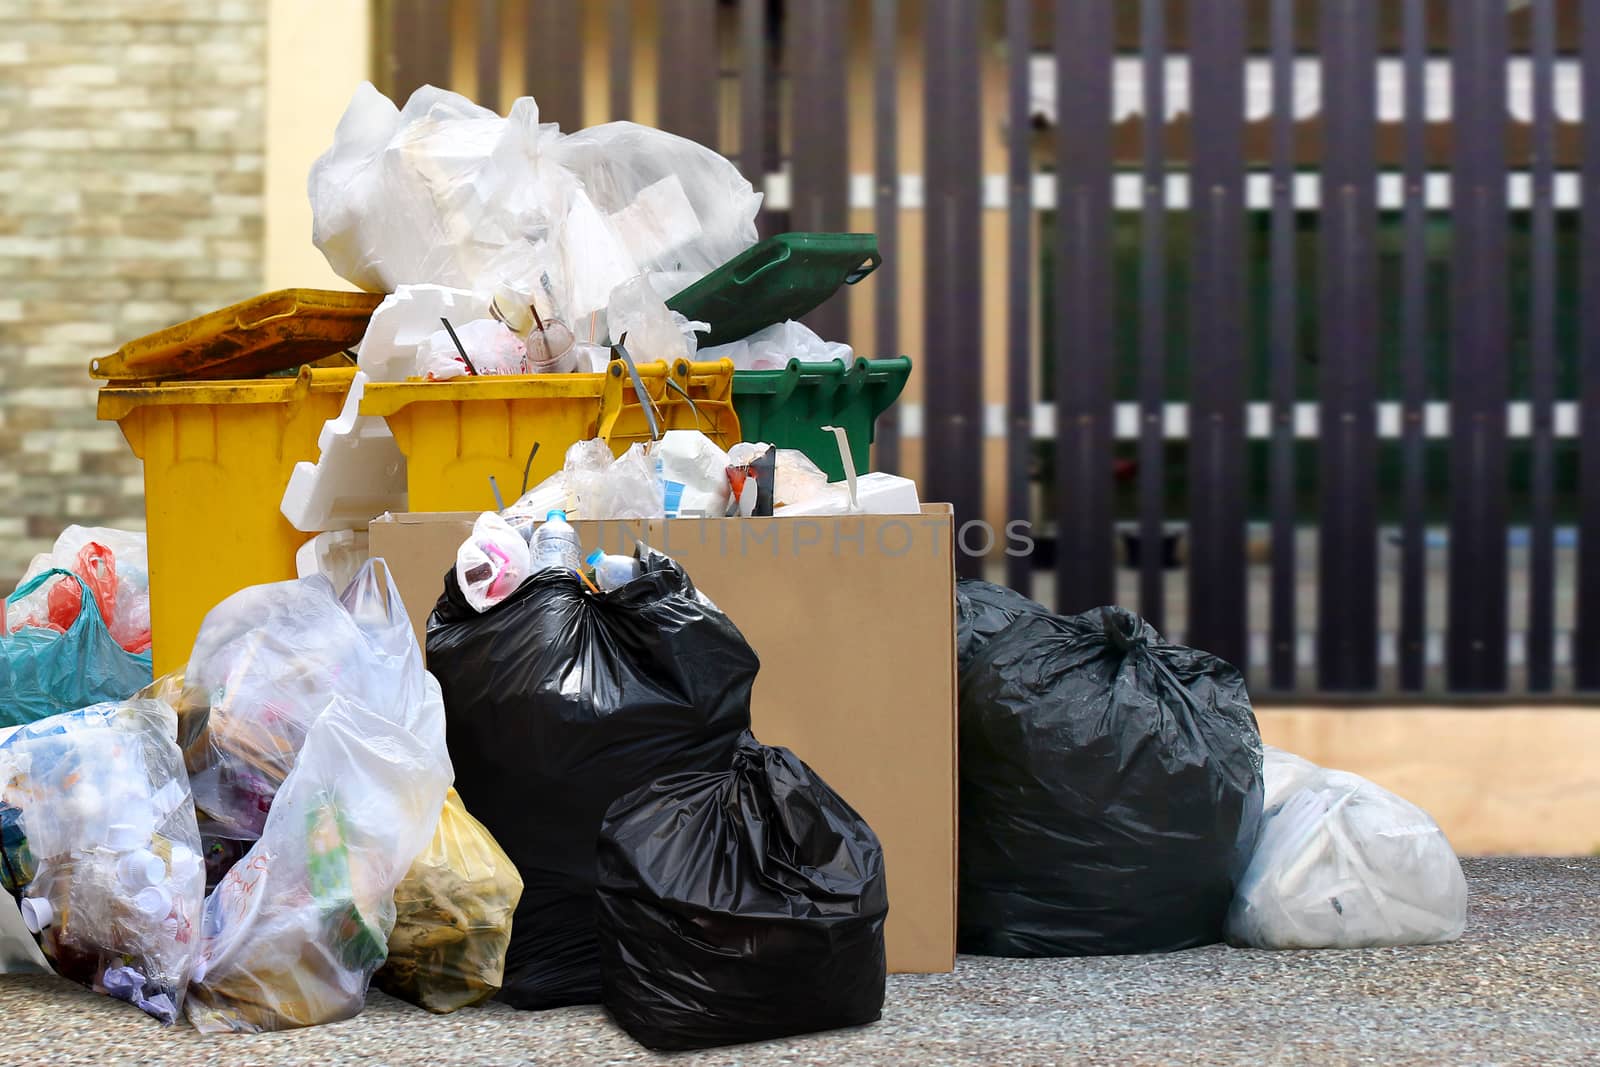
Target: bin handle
[(646, 401), (782, 253), (866, 267)]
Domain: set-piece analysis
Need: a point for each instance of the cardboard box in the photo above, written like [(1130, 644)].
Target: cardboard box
[(854, 620)]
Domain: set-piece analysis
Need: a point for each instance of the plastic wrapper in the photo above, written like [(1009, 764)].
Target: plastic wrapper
[(772, 348), (1342, 863), (453, 917), (265, 664), (752, 470), (627, 488), (739, 905), (492, 347), (112, 563), (43, 672), (797, 480), (1110, 789), (649, 183), (635, 315), (296, 930), (559, 701), (102, 851), (491, 562), (694, 475)]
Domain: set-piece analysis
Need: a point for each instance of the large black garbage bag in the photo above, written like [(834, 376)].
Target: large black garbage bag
[(1110, 789), (740, 905), (983, 610), (557, 702)]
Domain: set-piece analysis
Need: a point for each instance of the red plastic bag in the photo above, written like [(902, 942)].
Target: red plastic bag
[(96, 566)]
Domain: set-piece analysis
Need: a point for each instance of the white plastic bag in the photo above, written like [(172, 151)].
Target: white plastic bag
[(492, 562), (1342, 863), (694, 475), (773, 347), (297, 928), (622, 167), (492, 347), (267, 661), (101, 846), (435, 192)]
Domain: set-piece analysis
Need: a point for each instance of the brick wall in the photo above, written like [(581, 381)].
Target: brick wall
[(131, 142)]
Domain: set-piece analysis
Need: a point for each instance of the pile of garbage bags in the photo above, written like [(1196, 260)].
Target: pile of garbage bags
[(1116, 798), (706, 888)]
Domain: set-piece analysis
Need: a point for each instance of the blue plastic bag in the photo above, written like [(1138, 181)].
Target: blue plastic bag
[(44, 673)]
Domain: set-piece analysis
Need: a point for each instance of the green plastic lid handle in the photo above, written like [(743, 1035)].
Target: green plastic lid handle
[(868, 265)]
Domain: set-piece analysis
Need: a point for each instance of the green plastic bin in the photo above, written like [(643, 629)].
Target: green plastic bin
[(790, 407), (775, 280)]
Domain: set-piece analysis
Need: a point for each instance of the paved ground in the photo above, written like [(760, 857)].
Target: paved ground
[(1522, 987)]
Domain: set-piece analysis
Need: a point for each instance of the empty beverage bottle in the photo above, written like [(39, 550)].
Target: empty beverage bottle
[(613, 572), (556, 544)]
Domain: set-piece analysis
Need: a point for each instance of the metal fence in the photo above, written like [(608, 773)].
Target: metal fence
[(1239, 315)]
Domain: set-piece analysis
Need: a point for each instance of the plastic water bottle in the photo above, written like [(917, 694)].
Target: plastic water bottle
[(556, 544), (613, 572)]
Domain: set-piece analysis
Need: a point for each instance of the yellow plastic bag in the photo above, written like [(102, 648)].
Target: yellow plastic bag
[(453, 924)]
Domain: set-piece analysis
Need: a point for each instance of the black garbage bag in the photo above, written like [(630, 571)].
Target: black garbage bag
[(983, 610), (1110, 789), (557, 702), (740, 905)]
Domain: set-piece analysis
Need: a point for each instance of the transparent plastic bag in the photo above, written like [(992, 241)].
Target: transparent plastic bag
[(1342, 863), (630, 488), (796, 479), (453, 917), (492, 347), (296, 930), (773, 348), (266, 663), (101, 848), (492, 562), (652, 331), (682, 209)]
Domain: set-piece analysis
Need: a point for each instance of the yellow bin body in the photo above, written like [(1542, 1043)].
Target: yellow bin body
[(217, 456), (456, 434)]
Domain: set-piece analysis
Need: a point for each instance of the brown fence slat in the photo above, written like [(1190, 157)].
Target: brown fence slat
[(1347, 616), (1283, 631), (1586, 641), (687, 63), (886, 209), (1217, 603), (1414, 325), (952, 295), (552, 66), (1153, 317), (1085, 563), (487, 30), (619, 24), (1019, 282), (1542, 316), (819, 162), (421, 43), (1479, 340)]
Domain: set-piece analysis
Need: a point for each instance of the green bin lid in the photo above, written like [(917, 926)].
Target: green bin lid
[(775, 280)]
